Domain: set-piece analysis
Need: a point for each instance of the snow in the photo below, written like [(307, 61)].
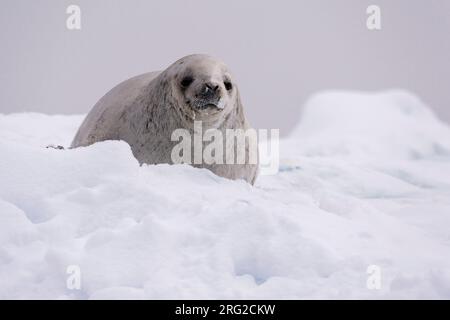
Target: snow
[(364, 180)]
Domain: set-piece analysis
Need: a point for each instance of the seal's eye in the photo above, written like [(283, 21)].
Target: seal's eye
[(186, 81), (228, 85)]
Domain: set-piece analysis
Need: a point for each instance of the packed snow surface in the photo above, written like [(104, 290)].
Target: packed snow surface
[(364, 181)]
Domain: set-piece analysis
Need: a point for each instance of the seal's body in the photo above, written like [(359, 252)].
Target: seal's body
[(145, 110)]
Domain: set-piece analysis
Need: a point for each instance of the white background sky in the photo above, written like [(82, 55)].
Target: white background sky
[(279, 51)]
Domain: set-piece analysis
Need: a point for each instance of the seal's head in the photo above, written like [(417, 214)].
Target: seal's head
[(203, 87)]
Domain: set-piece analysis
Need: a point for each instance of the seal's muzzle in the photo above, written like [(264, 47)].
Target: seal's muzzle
[(209, 96)]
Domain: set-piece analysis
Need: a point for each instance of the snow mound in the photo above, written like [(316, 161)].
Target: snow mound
[(365, 125), (347, 197)]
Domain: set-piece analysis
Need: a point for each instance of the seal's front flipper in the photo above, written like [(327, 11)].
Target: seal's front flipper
[(52, 146)]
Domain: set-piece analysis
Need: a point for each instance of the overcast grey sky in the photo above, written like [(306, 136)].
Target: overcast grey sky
[(279, 51)]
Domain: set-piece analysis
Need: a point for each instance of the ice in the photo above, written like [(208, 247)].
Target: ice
[(364, 180), (365, 125)]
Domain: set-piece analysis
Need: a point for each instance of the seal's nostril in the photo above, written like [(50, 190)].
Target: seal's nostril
[(210, 87)]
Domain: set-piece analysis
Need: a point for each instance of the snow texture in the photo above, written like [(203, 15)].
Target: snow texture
[(364, 180)]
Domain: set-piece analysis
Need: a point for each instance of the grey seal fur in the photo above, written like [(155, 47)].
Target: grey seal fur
[(144, 111)]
